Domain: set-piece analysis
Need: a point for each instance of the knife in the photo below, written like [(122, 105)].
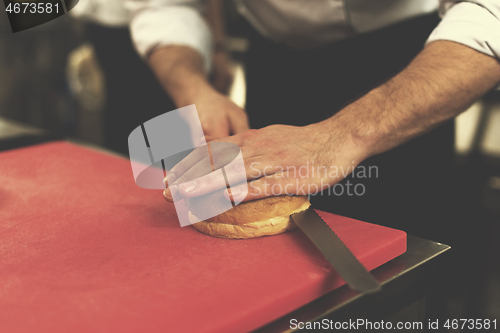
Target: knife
[(331, 246)]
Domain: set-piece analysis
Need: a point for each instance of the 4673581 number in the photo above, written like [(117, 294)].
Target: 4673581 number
[(470, 324), (32, 8)]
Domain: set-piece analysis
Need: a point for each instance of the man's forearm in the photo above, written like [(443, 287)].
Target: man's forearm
[(180, 71), (441, 82)]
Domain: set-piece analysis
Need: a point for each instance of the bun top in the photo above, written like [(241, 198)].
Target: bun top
[(250, 211)]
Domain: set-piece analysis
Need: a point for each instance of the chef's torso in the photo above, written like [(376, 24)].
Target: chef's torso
[(298, 23)]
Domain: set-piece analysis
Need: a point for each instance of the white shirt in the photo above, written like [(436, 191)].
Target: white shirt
[(106, 12), (154, 23)]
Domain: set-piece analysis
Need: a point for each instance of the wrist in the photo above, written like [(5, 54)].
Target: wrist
[(180, 72), (345, 136)]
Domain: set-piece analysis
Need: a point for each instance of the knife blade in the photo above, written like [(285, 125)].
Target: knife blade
[(335, 251)]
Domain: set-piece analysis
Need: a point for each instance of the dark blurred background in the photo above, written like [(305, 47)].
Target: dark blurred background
[(52, 87)]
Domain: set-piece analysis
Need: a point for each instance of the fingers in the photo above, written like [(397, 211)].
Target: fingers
[(199, 162), (171, 194), (231, 173), (228, 164), (168, 196), (219, 153), (205, 175), (218, 147), (185, 164), (233, 166), (216, 156), (203, 185)]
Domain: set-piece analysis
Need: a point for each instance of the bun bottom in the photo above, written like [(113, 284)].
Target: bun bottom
[(270, 227), (273, 226)]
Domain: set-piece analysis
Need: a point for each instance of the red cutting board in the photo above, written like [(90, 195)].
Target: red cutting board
[(83, 249)]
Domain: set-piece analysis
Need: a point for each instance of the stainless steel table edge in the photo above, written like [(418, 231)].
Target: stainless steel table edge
[(404, 279)]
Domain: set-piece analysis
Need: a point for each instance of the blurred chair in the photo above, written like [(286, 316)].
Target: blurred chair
[(86, 83)]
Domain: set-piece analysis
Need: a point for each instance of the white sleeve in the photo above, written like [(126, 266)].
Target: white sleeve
[(169, 22), (474, 23)]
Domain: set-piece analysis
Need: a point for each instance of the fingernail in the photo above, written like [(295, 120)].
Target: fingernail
[(189, 186), (170, 193), (170, 179), (231, 194), (167, 195)]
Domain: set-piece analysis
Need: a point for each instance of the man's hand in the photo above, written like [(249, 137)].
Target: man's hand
[(442, 81), (219, 116), (180, 71), (278, 160)]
